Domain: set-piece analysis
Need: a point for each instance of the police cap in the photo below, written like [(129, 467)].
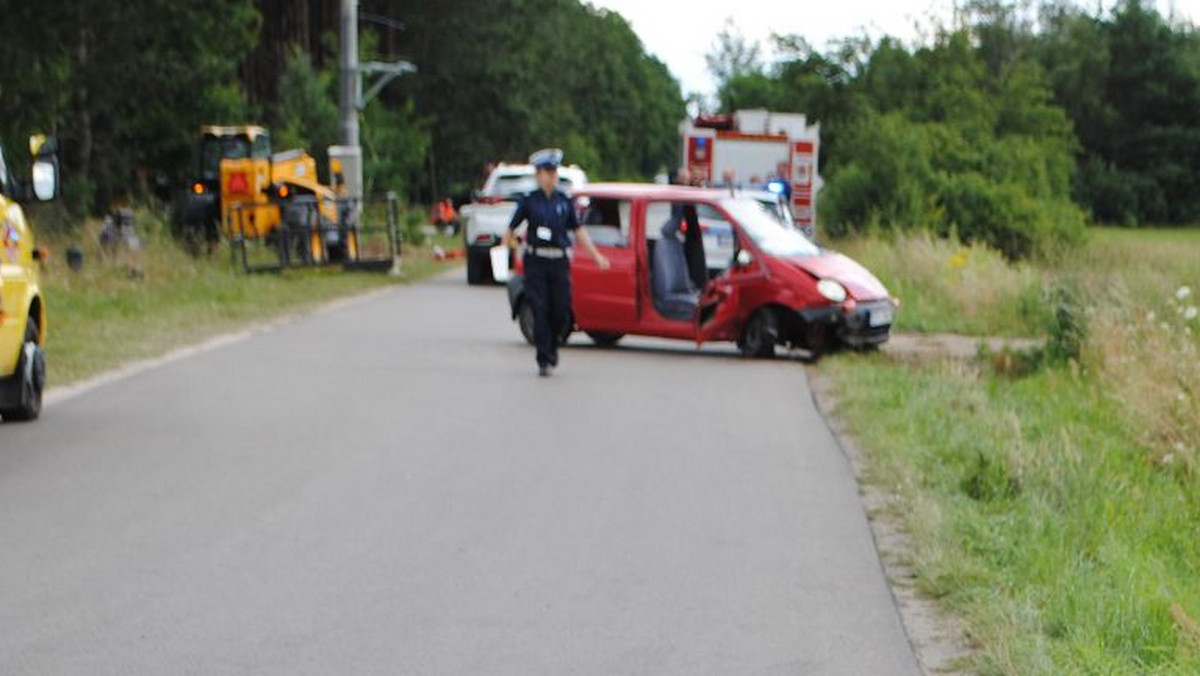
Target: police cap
[(547, 158)]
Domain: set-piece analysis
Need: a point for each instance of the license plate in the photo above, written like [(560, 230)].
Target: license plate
[(881, 316)]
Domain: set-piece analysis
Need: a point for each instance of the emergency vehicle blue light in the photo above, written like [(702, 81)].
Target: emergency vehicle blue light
[(776, 187)]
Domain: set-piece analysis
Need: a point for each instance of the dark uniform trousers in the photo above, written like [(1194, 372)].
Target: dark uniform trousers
[(548, 288)]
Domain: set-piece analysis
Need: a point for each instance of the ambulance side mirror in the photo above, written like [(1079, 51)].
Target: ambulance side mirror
[(43, 149), (45, 180)]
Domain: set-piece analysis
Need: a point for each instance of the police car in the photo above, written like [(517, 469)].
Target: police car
[(485, 220)]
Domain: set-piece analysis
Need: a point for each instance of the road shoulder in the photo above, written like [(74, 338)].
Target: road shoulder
[(938, 639)]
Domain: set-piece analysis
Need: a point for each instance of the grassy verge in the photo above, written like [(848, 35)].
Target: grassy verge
[(1055, 506), (950, 287), (101, 317), (1037, 515)]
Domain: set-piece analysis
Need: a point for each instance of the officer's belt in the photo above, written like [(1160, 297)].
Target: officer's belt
[(550, 252)]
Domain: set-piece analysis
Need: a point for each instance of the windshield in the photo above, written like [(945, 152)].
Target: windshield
[(515, 186), (761, 222), (778, 208), (216, 148)]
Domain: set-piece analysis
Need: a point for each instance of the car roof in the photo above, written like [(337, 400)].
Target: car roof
[(652, 191), (522, 169)]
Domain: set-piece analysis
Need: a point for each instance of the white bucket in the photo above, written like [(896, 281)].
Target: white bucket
[(500, 269)]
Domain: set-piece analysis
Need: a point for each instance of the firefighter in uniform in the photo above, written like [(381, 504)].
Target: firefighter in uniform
[(551, 215)]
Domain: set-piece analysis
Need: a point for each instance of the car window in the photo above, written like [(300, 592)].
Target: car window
[(717, 234), (514, 186), (606, 220), (718, 237), (767, 232)]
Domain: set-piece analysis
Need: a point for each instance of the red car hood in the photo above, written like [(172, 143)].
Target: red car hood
[(859, 281)]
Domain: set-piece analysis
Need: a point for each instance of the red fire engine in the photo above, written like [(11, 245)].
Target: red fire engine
[(753, 148)]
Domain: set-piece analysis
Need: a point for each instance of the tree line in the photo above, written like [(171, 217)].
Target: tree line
[(125, 87), (1013, 124)]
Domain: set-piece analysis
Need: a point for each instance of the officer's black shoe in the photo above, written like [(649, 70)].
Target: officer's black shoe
[(544, 370)]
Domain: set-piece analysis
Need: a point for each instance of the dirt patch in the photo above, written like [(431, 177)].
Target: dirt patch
[(922, 347), (938, 638)]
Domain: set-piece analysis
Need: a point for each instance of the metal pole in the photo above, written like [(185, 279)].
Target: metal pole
[(351, 90)]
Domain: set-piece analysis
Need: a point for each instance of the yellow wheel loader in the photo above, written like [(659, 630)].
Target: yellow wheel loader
[(246, 192)]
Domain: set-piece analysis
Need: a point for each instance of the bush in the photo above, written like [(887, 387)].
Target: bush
[(1005, 216), (1010, 193)]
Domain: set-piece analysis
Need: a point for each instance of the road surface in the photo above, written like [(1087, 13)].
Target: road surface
[(387, 488)]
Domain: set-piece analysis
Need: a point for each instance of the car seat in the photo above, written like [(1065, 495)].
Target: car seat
[(675, 297)]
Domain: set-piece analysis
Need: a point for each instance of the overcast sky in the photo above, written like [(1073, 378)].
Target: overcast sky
[(680, 32)]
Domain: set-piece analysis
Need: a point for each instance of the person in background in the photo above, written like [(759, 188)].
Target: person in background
[(551, 215)]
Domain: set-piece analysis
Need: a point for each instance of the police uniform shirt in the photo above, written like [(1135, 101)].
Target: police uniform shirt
[(549, 218)]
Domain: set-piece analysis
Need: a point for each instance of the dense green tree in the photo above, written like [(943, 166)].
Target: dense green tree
[(499, 79), (306, 114), (123, 85)]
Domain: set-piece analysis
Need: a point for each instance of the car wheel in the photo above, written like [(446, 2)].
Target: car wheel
[(29, 379), (525, 321), (479, 268), (605, 338), (760, 335)]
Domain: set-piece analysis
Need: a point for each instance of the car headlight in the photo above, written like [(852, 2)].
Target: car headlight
[(832, 290)]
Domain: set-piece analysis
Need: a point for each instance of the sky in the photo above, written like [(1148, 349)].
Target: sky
[(681, 32)]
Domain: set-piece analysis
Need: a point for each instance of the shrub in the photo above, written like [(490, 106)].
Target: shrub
[(1008, 193)]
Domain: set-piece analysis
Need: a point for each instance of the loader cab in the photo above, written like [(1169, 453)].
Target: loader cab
[(199, 212), (230, 143)]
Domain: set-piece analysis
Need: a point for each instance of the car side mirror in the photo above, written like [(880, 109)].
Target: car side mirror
[(744, 258)]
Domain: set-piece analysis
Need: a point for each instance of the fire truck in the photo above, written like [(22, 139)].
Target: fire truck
[(758, 149)]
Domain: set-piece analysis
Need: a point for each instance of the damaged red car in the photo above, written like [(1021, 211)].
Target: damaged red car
[(711, 265)]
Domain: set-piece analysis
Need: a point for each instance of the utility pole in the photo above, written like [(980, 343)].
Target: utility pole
[(351, 89), (352, 101)]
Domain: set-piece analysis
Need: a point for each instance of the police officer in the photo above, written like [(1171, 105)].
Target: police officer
[(550, 214)]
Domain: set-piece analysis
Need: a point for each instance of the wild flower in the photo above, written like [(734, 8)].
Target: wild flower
[(1190, 313), (1183, 292)]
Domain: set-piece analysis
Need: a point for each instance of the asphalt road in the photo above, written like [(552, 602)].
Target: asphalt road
[(387, 488)]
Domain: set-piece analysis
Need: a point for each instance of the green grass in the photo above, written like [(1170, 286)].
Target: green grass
[(1036, 515), (945, 286), (1057, 511), (949, 287), (100, 318)]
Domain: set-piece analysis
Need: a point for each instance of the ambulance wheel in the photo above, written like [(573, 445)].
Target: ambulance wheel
[(525, 321), (605, 338), (29, 379), (759, 335)]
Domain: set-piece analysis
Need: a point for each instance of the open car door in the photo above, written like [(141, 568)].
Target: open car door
[(720, 313)]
